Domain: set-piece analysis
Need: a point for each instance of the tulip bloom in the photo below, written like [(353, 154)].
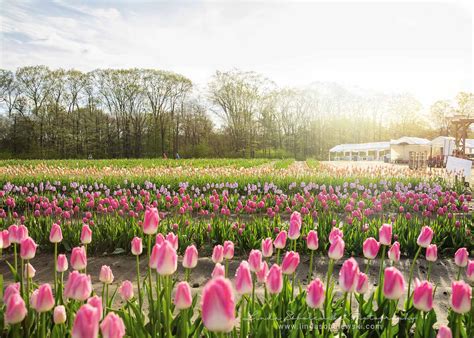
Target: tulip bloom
[(470, 271), (173, 239), (86, 234), (183, 298), (423, 296), (312, 241), (61, 264), (394, 252), (151, 221), (15, 310), (385, 234), (112, 326), (280, 240), (274, 280), (290, 262), (153, 262), (55, 235), (262, 274), (348, 275), (137, 246), (45, 298), (10, 290), (362, 283), (96, 302), (295, 226), (336, 250), (167, 259), (218, 305), (27, 248), (219, 271), (255, 260), (218, 254), (461, 257), (106, 276), (86, 323), (460, 297), (243, 279), (315, 294), (371, 248), (126, 290), (228, 250), (30, 271), (425, 237), (267, 247), (335, 233), (190, 258), (432, 253), (78, 286), (394, 283), (59, 315), (444, 332), (78, 258)]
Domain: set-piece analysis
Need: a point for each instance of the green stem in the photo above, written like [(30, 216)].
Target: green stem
[(138, 283), (328, 280), (85, 251), (459, 273), (188, 274), (411, 277), (150, 287), (226, 268), (56, 269), (293, 285), (253, 293), (243, 323), (343, 313), (278, 256), (310, 274), (457, 330), (429, 271), (15, 256), (379, 288), (43, 325)]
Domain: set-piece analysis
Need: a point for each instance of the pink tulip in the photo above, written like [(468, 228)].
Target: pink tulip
[(78, 258), (219, 271), (55, 235), (460, 297), (255, 260), (243, 279), (30, 271), (444, 332), (167, 259), (228, 250), (423, 296), (470, 271), (112, 326), (394, 252), (96, 302), (335, 233), (274, 280), (425, 237), (218, 305), (290, 262), (61, 264), (280, 240), (315, 294), (385, 234), (45, 298), (11, 290), (262, 274), (183, 298), (362, 283), (267, 247), (218, 254), (15, 310), (86, 323), (86, 234), (78, 286), (153, 262), (126, 290), (159, 239), (12, 234), (336, 250), (295, 225), (106, 276), (190, 258), (59, 315), (394, 283), (432, 253), (137, 246), (173, 239), (312, 241), (370, 248), (28, 248), (6, 239), (348, 275), (151, 221), (461, 257)]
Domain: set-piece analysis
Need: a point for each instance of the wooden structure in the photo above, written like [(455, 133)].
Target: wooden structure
[(460, 125)]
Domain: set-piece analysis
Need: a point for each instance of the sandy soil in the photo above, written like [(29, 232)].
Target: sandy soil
[(123, 267)]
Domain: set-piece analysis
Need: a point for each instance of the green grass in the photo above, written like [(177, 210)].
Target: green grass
[(283, 164), (312, 163)]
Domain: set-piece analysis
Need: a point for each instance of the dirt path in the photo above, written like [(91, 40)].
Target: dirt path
[(123, 267)]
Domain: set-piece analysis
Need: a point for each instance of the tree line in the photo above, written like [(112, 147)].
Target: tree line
[(115, 113)]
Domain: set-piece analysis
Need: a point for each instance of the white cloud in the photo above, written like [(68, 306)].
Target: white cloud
[(424, 47)]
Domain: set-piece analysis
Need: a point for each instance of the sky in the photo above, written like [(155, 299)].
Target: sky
[(423, 47)]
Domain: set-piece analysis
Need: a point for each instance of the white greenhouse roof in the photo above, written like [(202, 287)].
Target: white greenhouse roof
[(470, 143), (410, 140), (360, 147)]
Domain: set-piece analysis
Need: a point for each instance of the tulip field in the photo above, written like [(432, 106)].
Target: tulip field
[(232, 248)]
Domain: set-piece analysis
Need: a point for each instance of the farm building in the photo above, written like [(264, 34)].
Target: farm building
[(444, 146), (360, 151), (401, 148)]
